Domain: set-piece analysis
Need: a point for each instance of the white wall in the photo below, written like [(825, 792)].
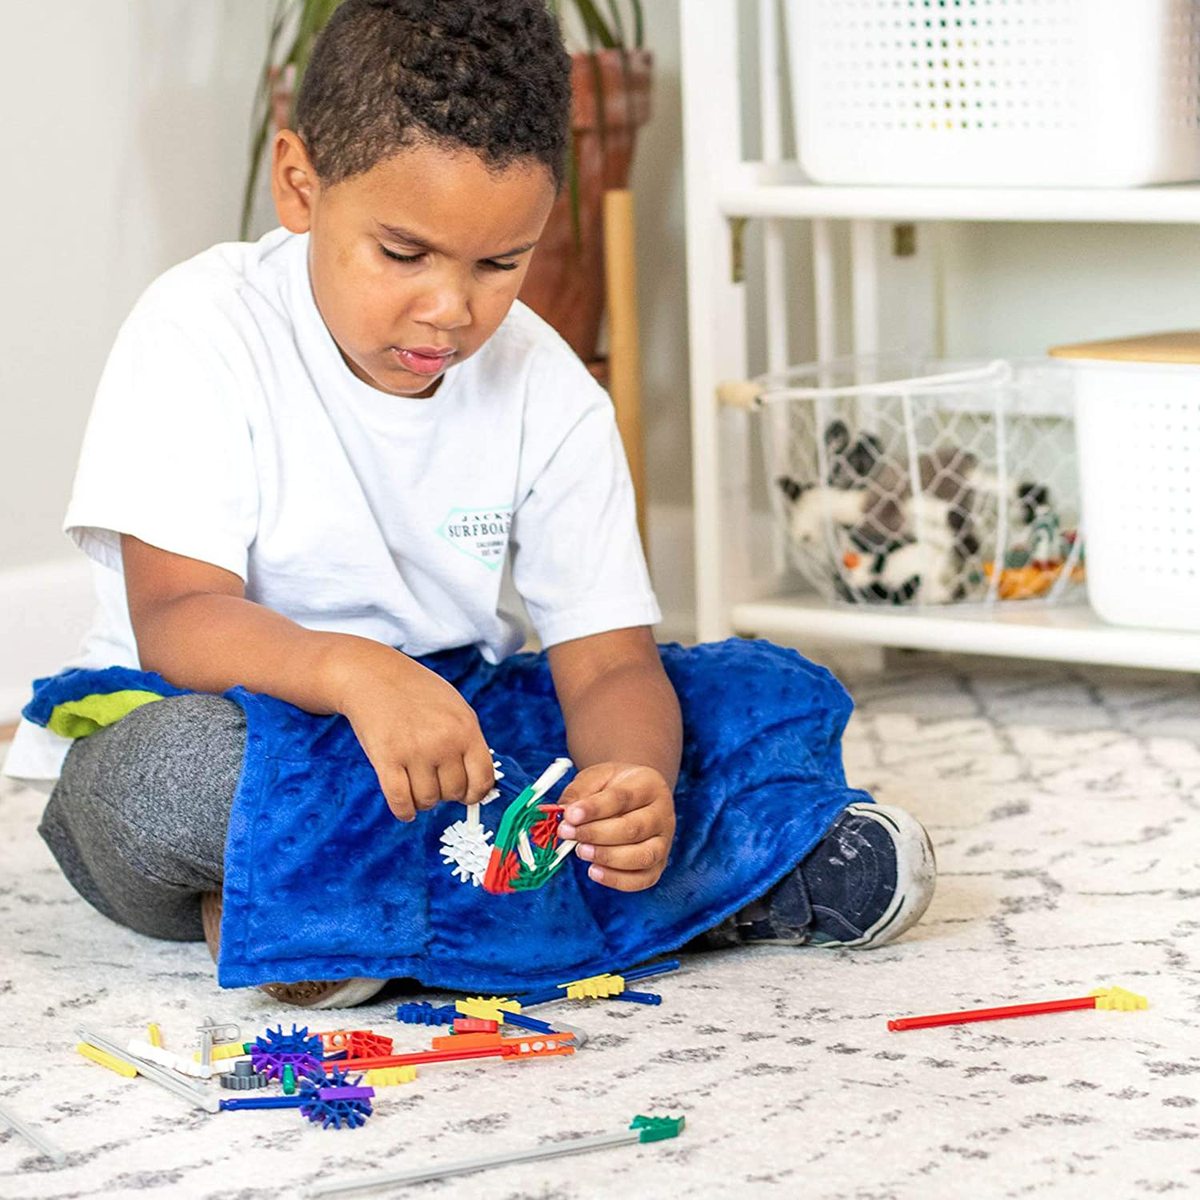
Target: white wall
[(126, 129), (126, 126)]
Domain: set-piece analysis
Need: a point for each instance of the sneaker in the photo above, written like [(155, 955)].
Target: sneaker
[(310, 993), (868, 880)]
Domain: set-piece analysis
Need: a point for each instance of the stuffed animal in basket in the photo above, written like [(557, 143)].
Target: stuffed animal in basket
[(928, 537)]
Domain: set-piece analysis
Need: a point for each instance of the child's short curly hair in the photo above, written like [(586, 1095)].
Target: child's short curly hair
[(388, 74)]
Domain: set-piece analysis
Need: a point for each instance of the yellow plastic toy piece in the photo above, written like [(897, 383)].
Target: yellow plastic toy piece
[(485, 1007), (154, 1034), (596, 987), (387, 1076), (1117, 999), (107, 1060), (224, 1050)]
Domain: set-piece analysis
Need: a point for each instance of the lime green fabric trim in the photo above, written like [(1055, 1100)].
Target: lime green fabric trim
[(79, 718)]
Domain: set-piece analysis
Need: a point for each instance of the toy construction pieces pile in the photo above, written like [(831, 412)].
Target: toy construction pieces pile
[(332, 1077)]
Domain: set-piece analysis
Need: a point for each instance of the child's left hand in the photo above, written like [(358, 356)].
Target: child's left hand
[(623, 817)]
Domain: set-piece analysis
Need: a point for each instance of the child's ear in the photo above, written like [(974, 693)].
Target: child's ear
[(294, 183)]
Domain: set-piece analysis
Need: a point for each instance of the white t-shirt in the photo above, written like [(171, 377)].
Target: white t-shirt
[(228, 428)]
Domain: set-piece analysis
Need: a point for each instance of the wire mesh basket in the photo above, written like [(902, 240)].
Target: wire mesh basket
[(901, 481)]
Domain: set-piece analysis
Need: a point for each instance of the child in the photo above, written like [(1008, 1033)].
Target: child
[(311, 462)]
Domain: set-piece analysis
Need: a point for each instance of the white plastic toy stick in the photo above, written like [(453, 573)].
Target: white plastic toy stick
[(525, 850), (200, 1097), (626, 1137), (163, 1057), (550, 776), (38, 1141)]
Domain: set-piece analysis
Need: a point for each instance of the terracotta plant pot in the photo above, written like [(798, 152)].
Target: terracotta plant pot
[(565, 284)]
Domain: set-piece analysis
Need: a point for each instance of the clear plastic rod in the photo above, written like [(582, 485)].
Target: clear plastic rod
[(198, 1096), (467, 1166), (38, 1140)]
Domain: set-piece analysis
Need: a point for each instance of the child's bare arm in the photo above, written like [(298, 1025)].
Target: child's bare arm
[(624, 732), (195, 627)]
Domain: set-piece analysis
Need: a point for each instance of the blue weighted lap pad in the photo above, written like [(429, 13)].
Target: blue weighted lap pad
[(322, 882)]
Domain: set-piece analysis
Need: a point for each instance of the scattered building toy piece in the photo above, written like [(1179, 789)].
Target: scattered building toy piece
[(39, 1141), (539, 1046), (142, 1049), (1107, 998), (390, 1076), (641, 1129), (421, 1012), (274, 1049), (107, 1060), (639, 997), (243, 1077)]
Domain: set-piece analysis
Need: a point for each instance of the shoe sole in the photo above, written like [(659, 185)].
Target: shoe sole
[(916, 875), (313, 993)]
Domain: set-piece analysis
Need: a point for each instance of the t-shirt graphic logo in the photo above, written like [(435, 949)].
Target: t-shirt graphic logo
[(480, 533)]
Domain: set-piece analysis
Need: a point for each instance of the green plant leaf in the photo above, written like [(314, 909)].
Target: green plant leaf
[(595, 24), (618, 25)]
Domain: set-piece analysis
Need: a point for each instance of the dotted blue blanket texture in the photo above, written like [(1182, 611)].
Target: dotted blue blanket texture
[(322, 882)]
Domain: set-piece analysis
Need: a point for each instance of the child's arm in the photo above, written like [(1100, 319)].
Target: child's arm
[(195, 627), (625, 734)]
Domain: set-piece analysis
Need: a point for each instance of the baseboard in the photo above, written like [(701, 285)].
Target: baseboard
[(45, 610)]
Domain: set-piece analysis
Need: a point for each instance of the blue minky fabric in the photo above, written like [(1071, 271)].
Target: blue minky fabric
[(321, 882)]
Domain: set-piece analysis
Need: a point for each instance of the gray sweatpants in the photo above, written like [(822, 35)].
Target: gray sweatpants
[(139, 816)]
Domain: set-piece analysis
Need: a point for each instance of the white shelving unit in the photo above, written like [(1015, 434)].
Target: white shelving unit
[(723, 191)]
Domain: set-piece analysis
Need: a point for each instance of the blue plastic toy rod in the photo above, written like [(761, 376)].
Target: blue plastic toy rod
[(638, 997), (243, 1103), (671, 964), (512, 1018)]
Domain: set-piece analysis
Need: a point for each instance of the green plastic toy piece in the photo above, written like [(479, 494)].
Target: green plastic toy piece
[(518, 863), (657, 1129), (289, 1079)]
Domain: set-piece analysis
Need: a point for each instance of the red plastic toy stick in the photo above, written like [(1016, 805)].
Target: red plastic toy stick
[(991, 1014), (509, 1048)]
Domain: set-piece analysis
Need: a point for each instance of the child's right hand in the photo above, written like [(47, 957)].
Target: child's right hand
[(421, 736)]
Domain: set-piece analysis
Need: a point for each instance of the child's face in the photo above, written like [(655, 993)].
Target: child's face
[(415, 262)]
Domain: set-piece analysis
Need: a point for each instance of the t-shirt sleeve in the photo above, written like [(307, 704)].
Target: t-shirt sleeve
[(167, 455), (577, 557)]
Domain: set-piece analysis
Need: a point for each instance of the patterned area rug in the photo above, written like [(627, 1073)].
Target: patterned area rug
[(1065, 807)]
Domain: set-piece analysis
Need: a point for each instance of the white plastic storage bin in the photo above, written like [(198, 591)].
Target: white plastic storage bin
[(1138, 423), (902, 481), (1069, 93)]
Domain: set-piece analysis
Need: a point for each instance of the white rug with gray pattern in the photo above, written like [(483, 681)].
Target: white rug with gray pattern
[(1065, 807)]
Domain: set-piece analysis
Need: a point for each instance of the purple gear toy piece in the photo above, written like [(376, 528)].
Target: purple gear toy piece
[(332, 1114), (273, 1050), (421, 1012)]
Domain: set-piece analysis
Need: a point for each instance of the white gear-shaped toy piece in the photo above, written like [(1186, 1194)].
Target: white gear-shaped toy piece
[(466, 845)]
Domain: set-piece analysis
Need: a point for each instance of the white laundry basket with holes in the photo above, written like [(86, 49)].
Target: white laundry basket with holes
[(904, 481), (1138, 422), (1086, 93)]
